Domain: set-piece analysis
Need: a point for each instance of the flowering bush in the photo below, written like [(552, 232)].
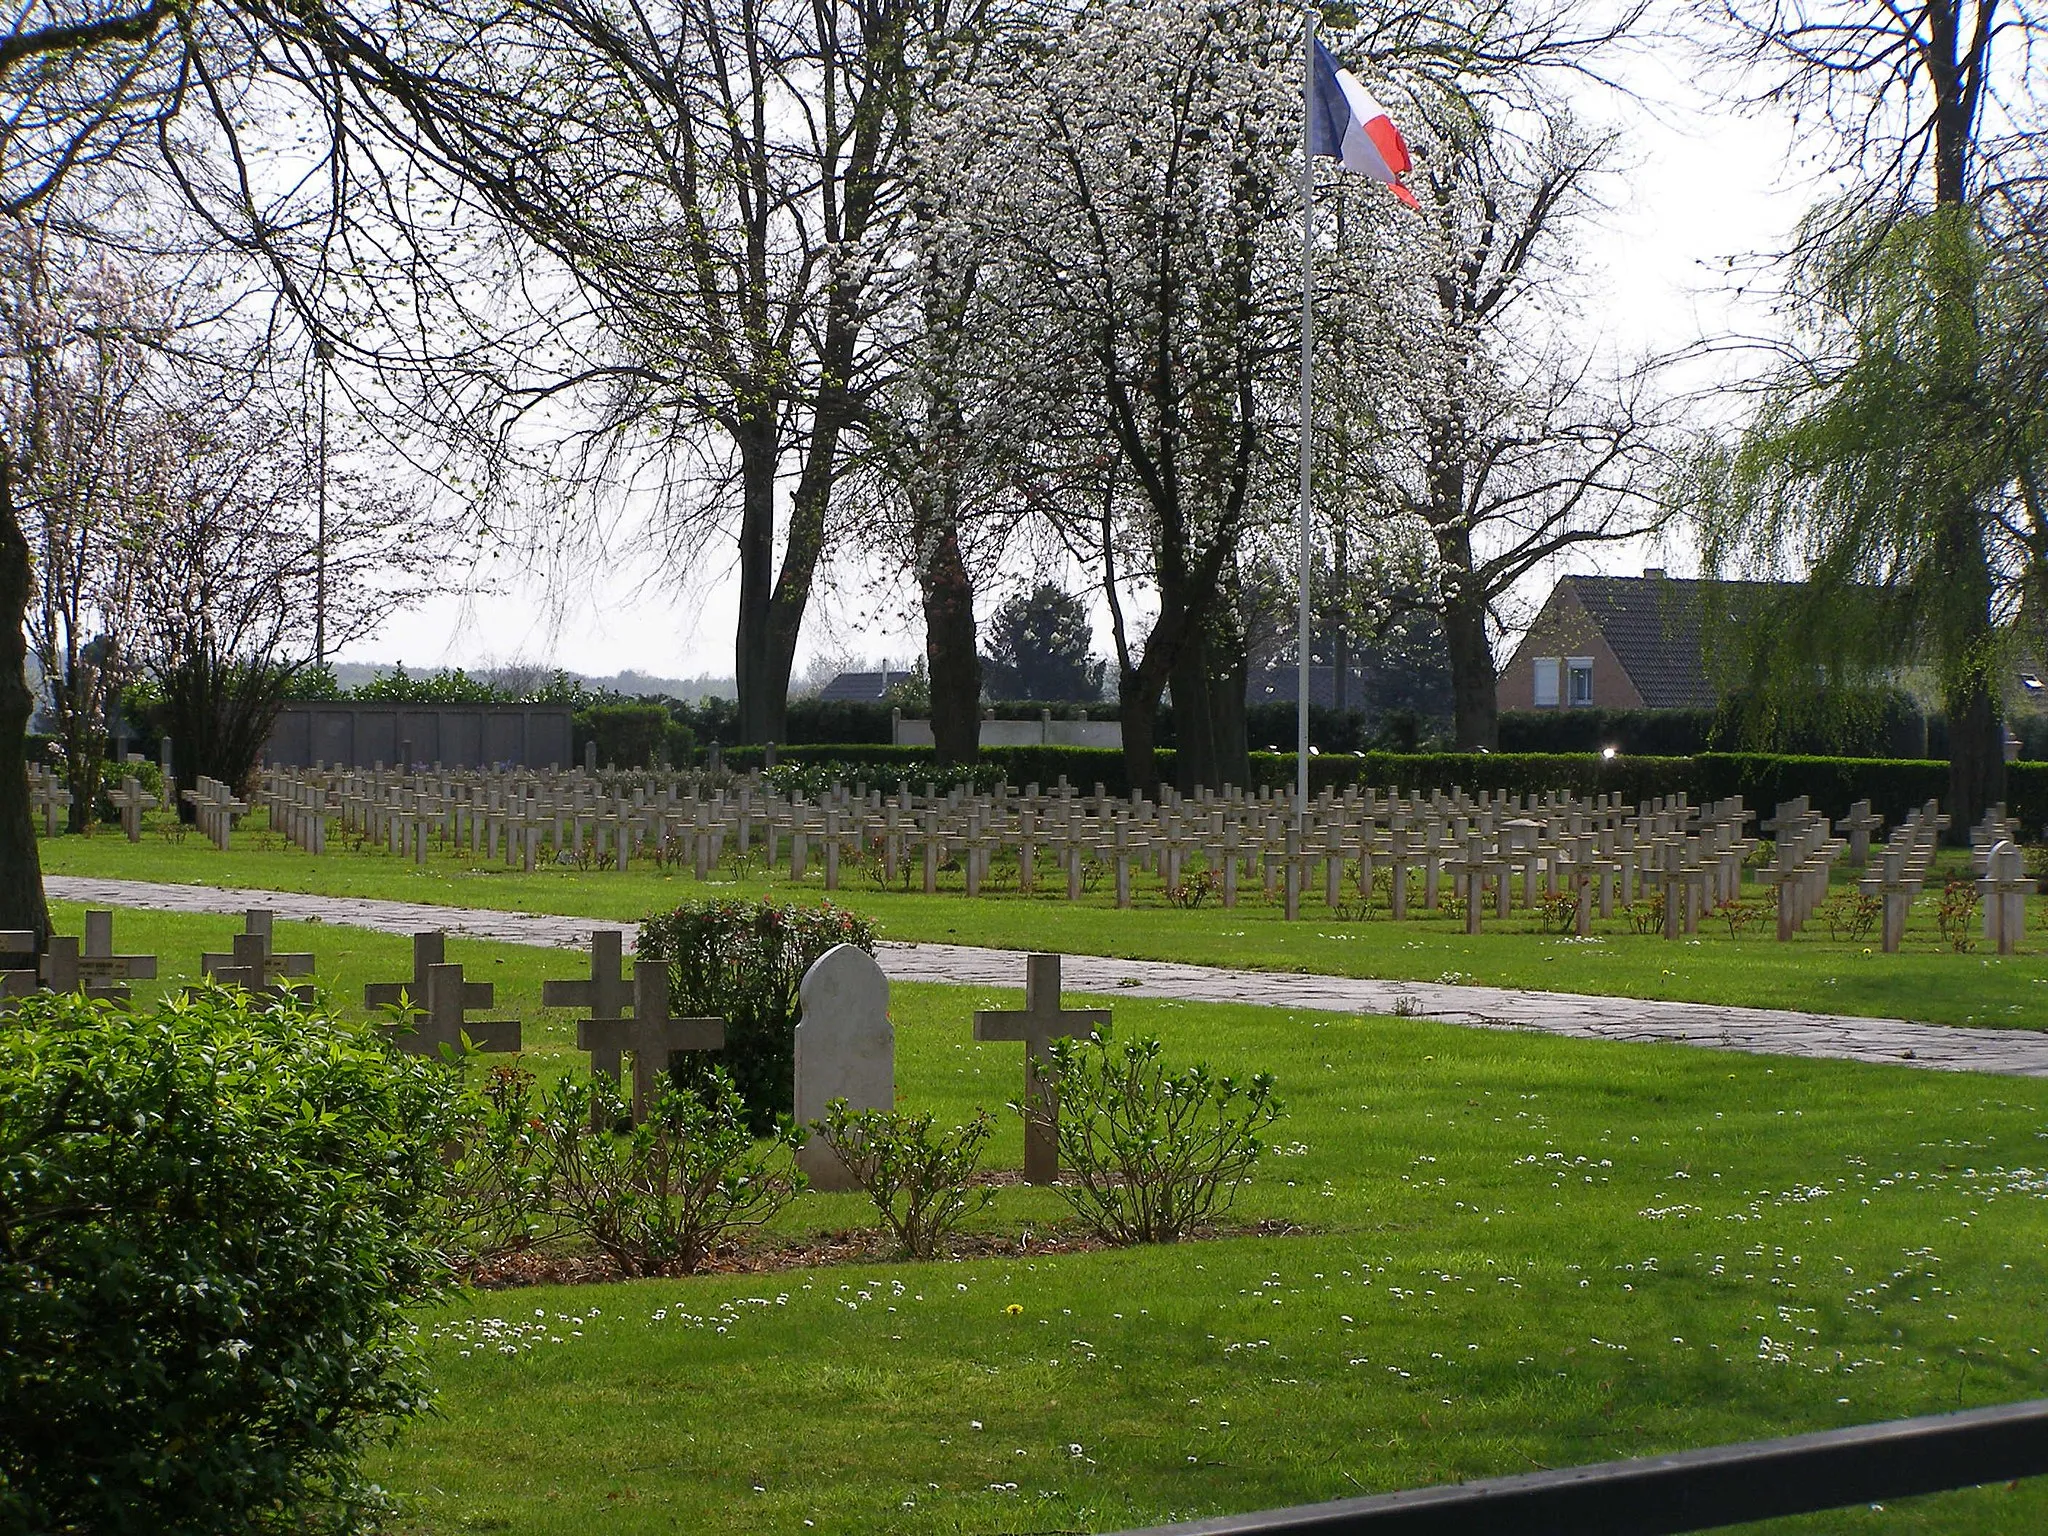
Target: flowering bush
[(1151, 1154), (659, 1196), (742, 961), (918, 1181), (495, 1199), (213, 1216)]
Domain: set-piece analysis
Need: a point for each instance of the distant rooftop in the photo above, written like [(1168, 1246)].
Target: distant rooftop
[(1655, 624), (862, 687)]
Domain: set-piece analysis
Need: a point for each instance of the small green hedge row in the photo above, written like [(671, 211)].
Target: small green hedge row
[(1893, 786)]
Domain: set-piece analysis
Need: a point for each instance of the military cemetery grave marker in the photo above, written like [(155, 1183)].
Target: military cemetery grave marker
[(47, 794), (131, 800), (253, 965), (428, 951), (18, 972), (442, 1022), (2004, 888), (648, 1033), (1859, 825), (94, 968), (845, 1049), (1040, 1022)]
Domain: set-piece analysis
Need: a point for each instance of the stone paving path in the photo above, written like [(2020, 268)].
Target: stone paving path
[(1766, 1031)]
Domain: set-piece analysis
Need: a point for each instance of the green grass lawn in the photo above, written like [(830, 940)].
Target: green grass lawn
[(1510, 1252), (1926, 981), (1516, 1253)]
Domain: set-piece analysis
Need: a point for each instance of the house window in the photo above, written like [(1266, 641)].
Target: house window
[(1546, 682), (1579, 677)]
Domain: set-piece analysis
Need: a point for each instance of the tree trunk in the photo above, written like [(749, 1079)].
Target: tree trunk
[(950, 651), (1211, 750), (84, 746), (1138, 707), (753, 648), (1227, 725), (1475, 711), (1976, 754), (1976, 727), (21, 874), (1194, 720)]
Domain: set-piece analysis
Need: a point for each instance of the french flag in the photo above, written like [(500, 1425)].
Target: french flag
[(1347, 125)]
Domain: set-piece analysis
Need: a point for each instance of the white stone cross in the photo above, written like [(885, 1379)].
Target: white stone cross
[(18, 976), (252, 965), (428, 951), (2005, 888), (442, 1021), (131, 800)]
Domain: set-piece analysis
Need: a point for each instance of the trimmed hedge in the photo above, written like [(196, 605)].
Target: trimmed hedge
[(1638, 732), (1896, 730), (885, 767)]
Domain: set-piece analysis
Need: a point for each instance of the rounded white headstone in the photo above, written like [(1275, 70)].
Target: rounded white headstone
[(845, 1049)]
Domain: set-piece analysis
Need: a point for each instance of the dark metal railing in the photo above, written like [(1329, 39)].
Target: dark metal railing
[(1688, 1490)]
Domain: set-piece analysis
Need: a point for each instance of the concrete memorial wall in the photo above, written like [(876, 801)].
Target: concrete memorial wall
[(360, 735)]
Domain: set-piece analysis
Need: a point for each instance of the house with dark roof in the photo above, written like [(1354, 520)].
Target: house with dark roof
[(864, 687), (1619, 642)]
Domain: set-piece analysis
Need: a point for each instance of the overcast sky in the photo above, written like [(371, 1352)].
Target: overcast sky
[(1705, 183)]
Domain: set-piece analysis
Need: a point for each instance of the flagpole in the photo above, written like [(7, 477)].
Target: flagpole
[(1308, 289)]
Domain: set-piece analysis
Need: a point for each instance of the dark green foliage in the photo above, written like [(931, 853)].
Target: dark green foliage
[(218, 711), (149, 775), (495, 1200), (1647, 732), (1150, 1154), (1038, 644), (743, 961), (627, 735), (820, 720), (453, 687), (884, 765), (212, 1220), (918, 1181), (1883, 468), (657, 1197)]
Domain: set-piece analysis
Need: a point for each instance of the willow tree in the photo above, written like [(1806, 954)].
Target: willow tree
[(1880, 466)]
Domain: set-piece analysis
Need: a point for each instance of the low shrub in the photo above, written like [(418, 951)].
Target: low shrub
[(1956, 915), (657, 1197), (627, 735), (213, 1218), (2036, 856), (1646, 913), (1851, 915), (918, 1181), (496, 1199), (1557, 911), (742, 961), (1150, 1153)]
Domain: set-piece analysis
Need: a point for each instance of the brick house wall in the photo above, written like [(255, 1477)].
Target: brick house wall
[(1564, 631)]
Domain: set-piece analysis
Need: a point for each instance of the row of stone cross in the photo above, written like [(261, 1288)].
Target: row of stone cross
[(50, 798), (845, 1042), (1477, 847), (844, 1045)]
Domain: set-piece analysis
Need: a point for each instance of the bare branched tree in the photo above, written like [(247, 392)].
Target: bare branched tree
[(1501, 435)]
